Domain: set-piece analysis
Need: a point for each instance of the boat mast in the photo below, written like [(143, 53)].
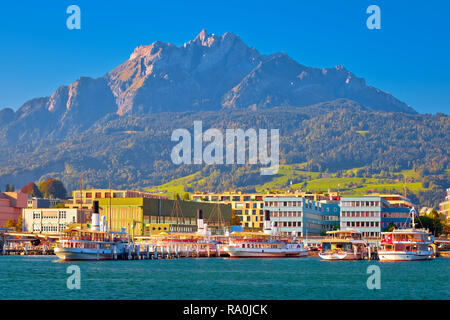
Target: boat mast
[(81, 200)]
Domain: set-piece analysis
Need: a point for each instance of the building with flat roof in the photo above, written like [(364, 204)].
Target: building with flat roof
[(34, 202), (11, 205), (49, 220), (84, 199), (249, 207), (444, 207), (372, 214), (299, 216), (149, 214)]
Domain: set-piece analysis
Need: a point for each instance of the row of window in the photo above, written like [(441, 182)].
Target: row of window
[(287, 224), (286, 214), (247, 212), (360, 203), (357, 214), (366, 224), (255, 225), (283, 203)]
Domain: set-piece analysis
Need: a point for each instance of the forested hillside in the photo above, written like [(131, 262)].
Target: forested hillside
[(133, 151)]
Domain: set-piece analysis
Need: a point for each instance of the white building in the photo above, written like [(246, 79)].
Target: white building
[(50, 221)]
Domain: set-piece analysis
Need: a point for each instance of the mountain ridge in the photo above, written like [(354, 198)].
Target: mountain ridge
[(210, 72)]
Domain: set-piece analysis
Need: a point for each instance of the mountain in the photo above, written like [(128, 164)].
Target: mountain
[(210, 72), (118, 126)]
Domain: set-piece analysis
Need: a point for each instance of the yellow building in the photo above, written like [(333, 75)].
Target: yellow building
[(249, 206), (444, 207), (86, 197), (146, 216)]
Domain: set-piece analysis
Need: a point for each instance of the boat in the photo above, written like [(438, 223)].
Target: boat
[(343, 245), (96, 243), (259, 245), (77, 244), (406, 245)]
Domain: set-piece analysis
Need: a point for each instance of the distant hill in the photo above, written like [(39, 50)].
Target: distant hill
[(424, 189), (118, 126)]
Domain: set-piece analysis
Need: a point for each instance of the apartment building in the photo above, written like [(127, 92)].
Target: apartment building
[(249, 207), (372, 214), (300, 216), (49, 220)]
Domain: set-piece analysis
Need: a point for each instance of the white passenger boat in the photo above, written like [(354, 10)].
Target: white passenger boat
[(406, 245), (94, 244), (343, 245), (90, 245), (254, 245)]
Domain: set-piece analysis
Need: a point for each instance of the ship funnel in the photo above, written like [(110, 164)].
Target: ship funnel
[(202, 227), (267, 224), (95, 225)]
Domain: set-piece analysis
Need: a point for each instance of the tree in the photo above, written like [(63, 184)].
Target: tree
[(9, 188), (336, 226), (32, 189), (431, 222), (10, 224), (323, 233), (19, 223), (390, 227), (59, 205), (186, 196), (53, 188)]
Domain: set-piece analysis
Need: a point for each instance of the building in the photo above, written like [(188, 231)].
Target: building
[(86, 197), (444, 207), (11, 205), (300, 216), (151, 215), (49, 220), (249, 207), (372, 214), (34, 202)]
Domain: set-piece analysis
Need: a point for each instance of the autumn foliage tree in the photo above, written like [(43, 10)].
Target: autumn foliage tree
[(53, 188), (32, 189)]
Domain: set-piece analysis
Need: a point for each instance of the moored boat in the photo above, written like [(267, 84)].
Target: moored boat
[(79, 244), (343, 245), (259, 245), (93, 244), (406, 245)]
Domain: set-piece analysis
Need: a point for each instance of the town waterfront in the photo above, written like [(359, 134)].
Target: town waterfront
[(43, 277)]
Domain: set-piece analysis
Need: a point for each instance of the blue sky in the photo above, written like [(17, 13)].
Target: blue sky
[(409, 57)]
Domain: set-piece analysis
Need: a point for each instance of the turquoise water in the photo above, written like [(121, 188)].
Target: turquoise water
[(215, 278)]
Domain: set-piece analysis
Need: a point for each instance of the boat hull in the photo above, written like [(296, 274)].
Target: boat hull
[(340, 256), (263, 253), (404, 256), (72, 254)]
